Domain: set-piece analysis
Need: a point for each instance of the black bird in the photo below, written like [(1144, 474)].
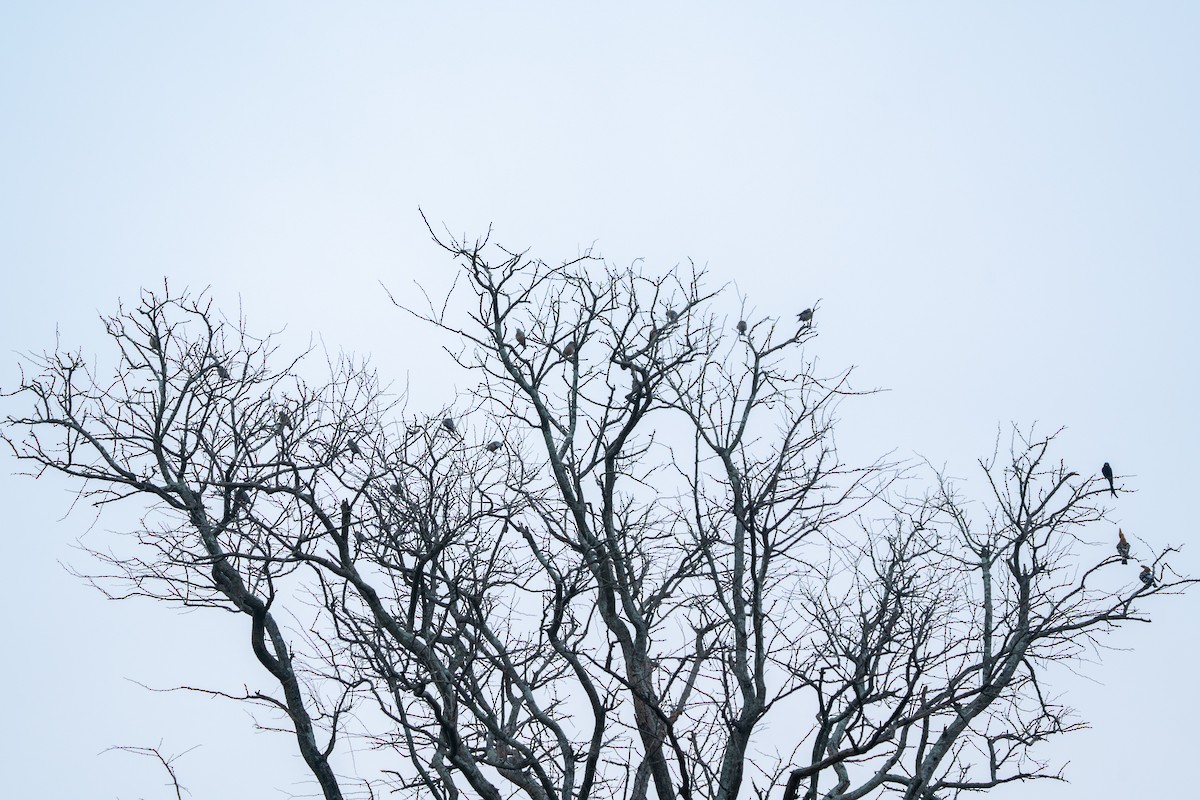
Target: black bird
[(1147, 576), (495, 445), (242, 497), (448, 424), (353, 447), (1107, 472), (805, 315), (285, 421), (741, 327), (1122, 546)]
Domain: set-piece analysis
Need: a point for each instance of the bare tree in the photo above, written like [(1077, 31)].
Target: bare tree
[(624, 565)]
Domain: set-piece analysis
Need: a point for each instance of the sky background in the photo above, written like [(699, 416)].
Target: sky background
[(996, 206)]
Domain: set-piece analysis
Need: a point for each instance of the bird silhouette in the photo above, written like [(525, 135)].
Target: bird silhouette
[(1147, 576), (741, 327), (242, 497), (520, 337), (806, 315), (1107, 472), (494, 445), (154, 345), (634, 392), (353, 447), (285, 421), (569, 350), (448, 424), (1122, 546), (222, 373), (672, 315)]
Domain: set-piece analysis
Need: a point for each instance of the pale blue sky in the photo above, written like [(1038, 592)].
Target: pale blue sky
[(996, 205)]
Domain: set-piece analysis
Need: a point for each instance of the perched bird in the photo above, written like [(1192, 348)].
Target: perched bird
[(242, 497), (494, 445), (353, 447), (1122, 546), (634, 392), (285, 421), (1107, 472), (741, 327), (520, 336), (1147, 576), (154, 345), (805, 315), (569, 350), (448, 424), (672, 315), (222, 373)]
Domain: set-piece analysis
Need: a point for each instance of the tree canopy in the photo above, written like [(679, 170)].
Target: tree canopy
[(629, 561)]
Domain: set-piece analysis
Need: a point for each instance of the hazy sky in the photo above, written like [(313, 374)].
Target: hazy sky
[(996, 204)]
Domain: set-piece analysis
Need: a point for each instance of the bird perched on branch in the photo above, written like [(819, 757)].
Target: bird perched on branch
[(448, 424), (806, 315), (519, 335), (285, 421), (1107, 472), (1122, 546), (1147, 576), (154, 344), (672, 315), (353, 447), (569, 351), (222, 373), (635, 392), (741, 327), (241, 497), (494, 445)]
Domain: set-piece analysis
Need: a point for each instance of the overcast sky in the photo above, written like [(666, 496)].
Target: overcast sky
[(996, 205)]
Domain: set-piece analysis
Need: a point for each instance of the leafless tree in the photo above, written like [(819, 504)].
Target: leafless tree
[(628, 563)]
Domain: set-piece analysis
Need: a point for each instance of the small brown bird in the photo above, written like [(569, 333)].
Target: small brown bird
[(741, 327), (154, 345), (494, 445), (1122, 546), (806, 315), (570, 350), (520, 337), (1147, 576), (222, 373), (1107, 472)]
